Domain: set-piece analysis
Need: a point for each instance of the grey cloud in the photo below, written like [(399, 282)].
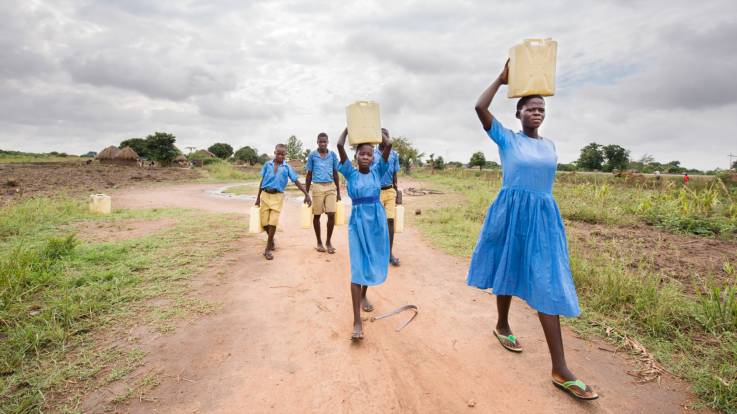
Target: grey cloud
[(157, 77), (235, 109)]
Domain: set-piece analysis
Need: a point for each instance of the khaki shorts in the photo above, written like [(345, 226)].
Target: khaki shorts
[(270, 208), (389, 201), (324, 196)]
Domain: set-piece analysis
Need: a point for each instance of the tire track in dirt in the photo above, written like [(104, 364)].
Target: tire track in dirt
[(280, 342)]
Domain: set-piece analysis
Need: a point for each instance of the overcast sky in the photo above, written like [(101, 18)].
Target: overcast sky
[(656, 77)]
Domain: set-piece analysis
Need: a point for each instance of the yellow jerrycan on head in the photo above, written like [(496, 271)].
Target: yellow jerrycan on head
[(339, 213), (532, 68), (364, 123), (254, 221), (305, 216)]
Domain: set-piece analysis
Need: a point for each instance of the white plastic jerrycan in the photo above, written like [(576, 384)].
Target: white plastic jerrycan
[(399, 219), (100, 204), (339, 213), (305, 216), (364, 123), (532, 68), (254, 221)]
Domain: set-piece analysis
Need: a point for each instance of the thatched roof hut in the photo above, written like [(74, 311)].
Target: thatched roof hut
[(180, 158), (127, 154), (108, 154)]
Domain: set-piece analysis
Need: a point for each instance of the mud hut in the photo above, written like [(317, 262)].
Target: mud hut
[(126, 156), (107, 156)]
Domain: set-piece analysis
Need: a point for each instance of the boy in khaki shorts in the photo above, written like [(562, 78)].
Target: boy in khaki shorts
[(322, 177), (389, 195), (274, 178)]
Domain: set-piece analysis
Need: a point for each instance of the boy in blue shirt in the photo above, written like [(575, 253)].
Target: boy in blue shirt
[(274, 178), (322, 171), (389, 195)]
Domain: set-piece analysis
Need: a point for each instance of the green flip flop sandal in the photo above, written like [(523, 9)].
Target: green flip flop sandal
[(509, 342), (568, 385)]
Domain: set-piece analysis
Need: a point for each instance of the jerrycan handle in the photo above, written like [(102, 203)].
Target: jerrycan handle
[(538, 41)]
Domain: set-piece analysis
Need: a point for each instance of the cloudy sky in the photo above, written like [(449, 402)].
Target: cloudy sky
[(656, 77)]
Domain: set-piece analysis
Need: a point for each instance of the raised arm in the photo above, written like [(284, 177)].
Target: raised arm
[(341, 146), (484, 101), (387, 144)]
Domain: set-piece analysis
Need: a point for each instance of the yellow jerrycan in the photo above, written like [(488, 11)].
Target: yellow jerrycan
[(305, 216), (339, 213), (100, 204), (399, 219), (364, 123), (532, 68), (254, 221)]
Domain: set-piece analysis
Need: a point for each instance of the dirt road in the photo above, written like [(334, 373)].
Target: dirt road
[(280, 342)]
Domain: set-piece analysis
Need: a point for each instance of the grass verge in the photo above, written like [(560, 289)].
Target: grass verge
[(692, 335), (61, 299)]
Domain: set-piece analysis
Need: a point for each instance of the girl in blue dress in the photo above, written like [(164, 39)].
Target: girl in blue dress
[(522, 249), (368, 235)]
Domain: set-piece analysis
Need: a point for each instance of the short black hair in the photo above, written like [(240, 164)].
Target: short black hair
[(358, 147), (523, 100), (280, 146), (322, 134)]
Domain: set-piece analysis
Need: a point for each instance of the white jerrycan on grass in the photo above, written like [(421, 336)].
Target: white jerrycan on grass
[(100, 204)]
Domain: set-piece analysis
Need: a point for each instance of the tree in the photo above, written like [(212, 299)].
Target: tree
[(139, 145), (454, 164), (263, 158), (408, 154), (566, 167), (221, 150), (294, 148), (305, 154), (477, 159), (617, 158), (438, 163), (591, 158), (492, 165), (247, 154), (734, 165), (160, 147), (674, 167)]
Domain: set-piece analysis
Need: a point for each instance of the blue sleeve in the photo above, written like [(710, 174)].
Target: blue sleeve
[(397, 168), (381, 167), (263, 170), (310, 163), (292, 173), (347, 169), (499, 134)]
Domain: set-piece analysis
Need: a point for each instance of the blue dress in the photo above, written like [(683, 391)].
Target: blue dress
[(368, 234), (522, 248)]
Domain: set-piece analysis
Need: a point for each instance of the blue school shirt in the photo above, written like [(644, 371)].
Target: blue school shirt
[(322, 168), (277, 181), (392, 168)]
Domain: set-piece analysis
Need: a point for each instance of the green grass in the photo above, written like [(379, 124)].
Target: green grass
[(18, 157), (694, 336), (223, 171), (59, 295)]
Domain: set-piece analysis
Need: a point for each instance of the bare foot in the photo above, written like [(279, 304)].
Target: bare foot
[(357, 331), (394, 261), (366, 305), (320, 248), (331, 249), (268, 255)]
